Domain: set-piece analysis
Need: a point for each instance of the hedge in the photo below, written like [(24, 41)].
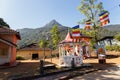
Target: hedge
[(113, 48)]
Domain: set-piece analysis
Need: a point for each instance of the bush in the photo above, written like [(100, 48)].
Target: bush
[(55, 55), (113, 48), (20, 58)]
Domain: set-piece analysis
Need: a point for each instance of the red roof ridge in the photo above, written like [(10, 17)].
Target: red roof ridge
[(68, 37), (4, 30)]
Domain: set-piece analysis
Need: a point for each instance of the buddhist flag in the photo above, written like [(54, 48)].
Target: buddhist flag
[(88, 24), (75, 31), (104, 18)]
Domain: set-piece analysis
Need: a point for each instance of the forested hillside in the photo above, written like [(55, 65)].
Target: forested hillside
[(29, 36)]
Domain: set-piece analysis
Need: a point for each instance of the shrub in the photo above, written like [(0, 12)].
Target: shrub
[(55, 55), (113, 48), (20, 58)]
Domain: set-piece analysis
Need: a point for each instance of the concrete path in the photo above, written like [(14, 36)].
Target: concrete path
[(112, 73)]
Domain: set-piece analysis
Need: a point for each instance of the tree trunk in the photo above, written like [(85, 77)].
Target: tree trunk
[(44, 54), (51, 55)]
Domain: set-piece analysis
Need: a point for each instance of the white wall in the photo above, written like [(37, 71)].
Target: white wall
[(5, 59)]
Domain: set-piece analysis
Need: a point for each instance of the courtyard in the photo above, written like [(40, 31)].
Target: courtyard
[(31, 67)]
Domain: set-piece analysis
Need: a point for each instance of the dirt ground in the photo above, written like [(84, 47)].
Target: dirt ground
[(24, 68), (30, 67)]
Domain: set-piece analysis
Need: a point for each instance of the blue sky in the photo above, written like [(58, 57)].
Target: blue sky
[(36, 13)]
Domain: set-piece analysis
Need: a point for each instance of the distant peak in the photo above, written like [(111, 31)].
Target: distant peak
[(54, 22)]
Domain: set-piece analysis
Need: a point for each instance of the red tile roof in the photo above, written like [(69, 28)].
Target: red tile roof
[(69, 39), (9, 31)]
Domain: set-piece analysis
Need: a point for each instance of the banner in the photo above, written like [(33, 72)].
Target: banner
[(76, 31), (104, 18), (88, 25)]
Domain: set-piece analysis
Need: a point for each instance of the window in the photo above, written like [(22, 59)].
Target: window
[(3, 52)]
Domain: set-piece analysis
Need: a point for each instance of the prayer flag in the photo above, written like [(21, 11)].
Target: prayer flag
[(75, 27), (104, 18), (88, 24), (75, 31)]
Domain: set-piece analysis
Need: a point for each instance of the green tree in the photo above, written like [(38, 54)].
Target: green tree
[(91, 10), (55, 36), (117, 37), (43, 44), (3, 23)]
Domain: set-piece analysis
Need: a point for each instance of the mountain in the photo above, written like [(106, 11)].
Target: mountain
[(113, 28), (110, 30), (53, 22), (29, 35)]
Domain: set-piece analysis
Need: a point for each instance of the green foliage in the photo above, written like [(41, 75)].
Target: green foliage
[(20, 58), (43, 43), (3, 23), (91, 9), (55, 36), (113, 48), (55, 55), (117, 37)]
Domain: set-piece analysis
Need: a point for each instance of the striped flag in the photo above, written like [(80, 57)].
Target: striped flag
[(104, 18), (76, 31), (88, 24)]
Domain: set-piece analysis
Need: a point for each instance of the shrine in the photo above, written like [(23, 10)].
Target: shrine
[(73, 48)]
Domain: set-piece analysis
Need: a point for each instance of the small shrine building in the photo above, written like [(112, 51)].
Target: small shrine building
[(74, 48)]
